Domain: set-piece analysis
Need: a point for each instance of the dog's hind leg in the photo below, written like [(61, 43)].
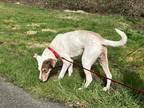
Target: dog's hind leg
[(89, 56), (104, 63)]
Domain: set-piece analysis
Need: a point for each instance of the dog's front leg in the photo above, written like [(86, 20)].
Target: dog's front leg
[(70, 70), (64, 69)]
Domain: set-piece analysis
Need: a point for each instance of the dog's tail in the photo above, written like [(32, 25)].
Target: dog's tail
[(117, 43)]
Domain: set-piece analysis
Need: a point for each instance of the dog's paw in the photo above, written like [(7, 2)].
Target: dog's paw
[(105, 89), (60, 77), (69, 74)]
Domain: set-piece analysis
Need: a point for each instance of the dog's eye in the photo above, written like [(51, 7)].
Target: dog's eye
[(44, 70)]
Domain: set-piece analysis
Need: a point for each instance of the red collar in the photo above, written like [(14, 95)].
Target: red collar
[(54, 52)]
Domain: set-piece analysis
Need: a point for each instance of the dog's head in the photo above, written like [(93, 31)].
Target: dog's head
[(44, 67)]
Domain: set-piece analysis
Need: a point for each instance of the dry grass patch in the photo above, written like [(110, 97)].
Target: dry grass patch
[(69, 18), (8, 21), (9, 42), (49, 30), (33, 25), (77, 11), (37, 45), (136, 55), (30, 32), (3, 9), (124, 25)]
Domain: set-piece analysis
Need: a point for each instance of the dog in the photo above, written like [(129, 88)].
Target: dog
[(80, 42)]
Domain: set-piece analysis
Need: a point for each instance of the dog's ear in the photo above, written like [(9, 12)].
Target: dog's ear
[(53, 62), (48, 63), (37, 57)]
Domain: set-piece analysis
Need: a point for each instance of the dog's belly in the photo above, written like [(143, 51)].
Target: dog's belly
[(76, 52)]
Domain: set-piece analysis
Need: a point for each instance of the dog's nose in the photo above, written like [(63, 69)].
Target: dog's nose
[(42, 80)]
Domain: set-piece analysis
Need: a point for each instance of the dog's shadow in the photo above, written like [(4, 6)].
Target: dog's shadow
[(77, 65), (131, 77)]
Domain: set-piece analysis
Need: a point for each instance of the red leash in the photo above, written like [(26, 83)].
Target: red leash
[(97, 74)]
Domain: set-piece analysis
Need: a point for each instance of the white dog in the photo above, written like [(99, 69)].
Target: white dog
[(91, 45)]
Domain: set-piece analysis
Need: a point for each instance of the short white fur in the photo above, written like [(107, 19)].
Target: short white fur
[(90, 44)]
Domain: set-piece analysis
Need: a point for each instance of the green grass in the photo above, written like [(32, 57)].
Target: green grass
[(18, 65)]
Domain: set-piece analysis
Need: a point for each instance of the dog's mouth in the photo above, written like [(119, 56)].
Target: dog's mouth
[(45, 75)]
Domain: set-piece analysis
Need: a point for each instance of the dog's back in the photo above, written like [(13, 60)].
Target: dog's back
[(74, 42)]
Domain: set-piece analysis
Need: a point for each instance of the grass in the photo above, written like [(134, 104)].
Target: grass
[(22, 35)]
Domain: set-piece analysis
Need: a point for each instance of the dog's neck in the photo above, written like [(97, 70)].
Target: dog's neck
[(47, 54)]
